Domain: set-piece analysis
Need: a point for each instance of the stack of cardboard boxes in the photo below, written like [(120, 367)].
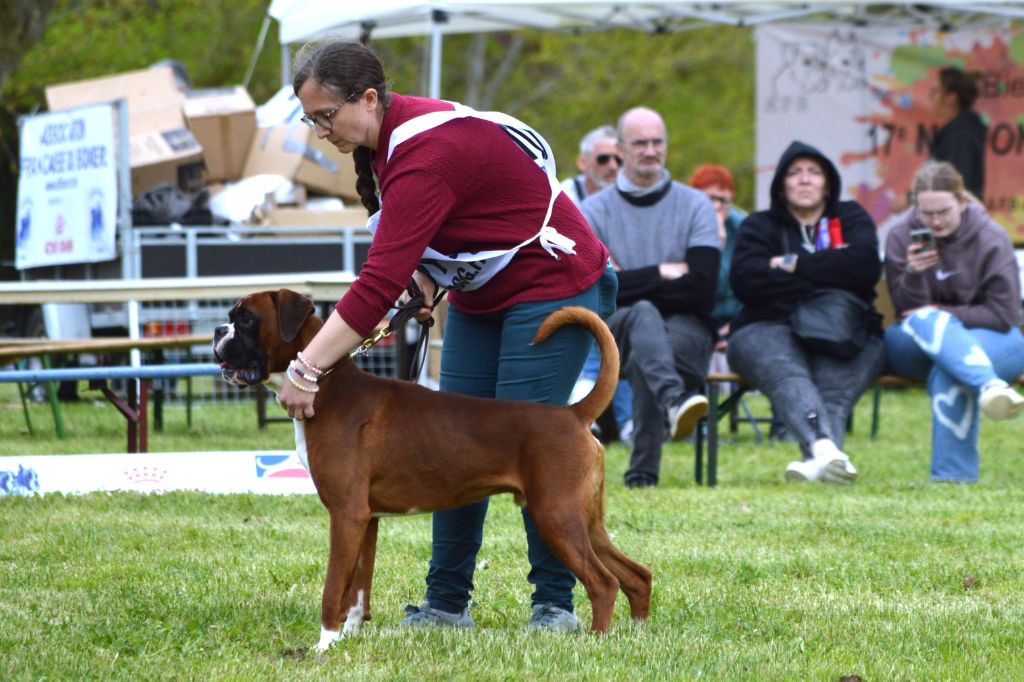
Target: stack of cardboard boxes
[(210, 137)]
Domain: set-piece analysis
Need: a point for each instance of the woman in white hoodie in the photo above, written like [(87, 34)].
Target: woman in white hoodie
[(955, 285)]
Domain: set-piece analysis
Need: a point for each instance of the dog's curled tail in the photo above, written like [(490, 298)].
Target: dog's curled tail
[(594, 403)]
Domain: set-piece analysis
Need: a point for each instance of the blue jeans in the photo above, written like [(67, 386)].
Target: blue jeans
[(956, 361), (490, 356), (622, 399)]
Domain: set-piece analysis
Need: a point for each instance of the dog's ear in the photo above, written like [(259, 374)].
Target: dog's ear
[(292, 310)]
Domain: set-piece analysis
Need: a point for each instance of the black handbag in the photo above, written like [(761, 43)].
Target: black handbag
[(834, 321)]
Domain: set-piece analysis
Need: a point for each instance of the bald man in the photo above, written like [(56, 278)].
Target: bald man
[(663, 239)]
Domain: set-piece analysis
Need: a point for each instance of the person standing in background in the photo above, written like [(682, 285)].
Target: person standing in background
[(961, 139)]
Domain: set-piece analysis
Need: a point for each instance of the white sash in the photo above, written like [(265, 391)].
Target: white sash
[(472, 269)]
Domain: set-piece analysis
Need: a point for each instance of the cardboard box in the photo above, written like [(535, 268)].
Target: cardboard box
[(305, 217), (223, 120), (161, 147), (293, 150)]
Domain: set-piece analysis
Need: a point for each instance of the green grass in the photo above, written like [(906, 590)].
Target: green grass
[(892, 578)]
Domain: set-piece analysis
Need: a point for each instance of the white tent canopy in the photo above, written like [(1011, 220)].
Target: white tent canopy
[(302, 20)]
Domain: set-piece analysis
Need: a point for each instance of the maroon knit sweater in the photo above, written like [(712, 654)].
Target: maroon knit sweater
[(465, 186)]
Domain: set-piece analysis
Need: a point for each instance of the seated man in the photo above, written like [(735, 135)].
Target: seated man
[(664, 243)]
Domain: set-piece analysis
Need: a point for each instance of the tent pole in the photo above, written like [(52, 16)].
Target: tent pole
[(436, 41), (286, 66)]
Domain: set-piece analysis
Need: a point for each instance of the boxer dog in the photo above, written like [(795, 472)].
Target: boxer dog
[(381, 447)]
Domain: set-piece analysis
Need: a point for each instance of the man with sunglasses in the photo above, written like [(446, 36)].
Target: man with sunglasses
[(598, 163), (663, 240)]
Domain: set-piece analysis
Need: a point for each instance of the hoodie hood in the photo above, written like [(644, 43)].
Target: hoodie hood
[(778, 192)]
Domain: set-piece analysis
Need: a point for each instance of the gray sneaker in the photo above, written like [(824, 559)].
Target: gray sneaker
[(553, 619), (425, 616)]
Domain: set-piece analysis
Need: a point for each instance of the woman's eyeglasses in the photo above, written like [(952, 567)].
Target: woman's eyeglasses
[(603, 159), (720, 199), (324, 119)]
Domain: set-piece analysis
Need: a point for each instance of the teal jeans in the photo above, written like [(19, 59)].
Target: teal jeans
[(490, 356)]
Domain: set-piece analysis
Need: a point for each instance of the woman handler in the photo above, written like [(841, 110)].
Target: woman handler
[(468, 201)]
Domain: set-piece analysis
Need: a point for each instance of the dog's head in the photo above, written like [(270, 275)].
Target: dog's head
[(265, 332)]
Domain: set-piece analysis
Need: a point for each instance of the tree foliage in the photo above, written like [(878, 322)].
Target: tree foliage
[(701, 81)]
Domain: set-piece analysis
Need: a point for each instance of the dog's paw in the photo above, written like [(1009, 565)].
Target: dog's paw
[(327, 638)]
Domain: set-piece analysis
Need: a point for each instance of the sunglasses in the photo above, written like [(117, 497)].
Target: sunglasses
[(324, 120), (603, 159), (719, 199)]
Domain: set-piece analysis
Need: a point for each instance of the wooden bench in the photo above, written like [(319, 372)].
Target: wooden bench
[(718, 408)]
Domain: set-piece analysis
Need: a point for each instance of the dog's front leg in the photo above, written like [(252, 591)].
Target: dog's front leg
[(347, 533)]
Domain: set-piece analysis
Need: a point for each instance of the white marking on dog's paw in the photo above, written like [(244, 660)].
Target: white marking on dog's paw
[(327, 638), (354, 620)]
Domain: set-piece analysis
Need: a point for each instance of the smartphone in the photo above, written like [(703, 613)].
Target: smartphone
[(923, 236)]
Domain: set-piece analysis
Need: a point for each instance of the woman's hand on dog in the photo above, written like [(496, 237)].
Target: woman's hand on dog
[(298, 404)]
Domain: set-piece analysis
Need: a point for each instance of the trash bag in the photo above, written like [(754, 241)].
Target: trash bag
[(164, 204)]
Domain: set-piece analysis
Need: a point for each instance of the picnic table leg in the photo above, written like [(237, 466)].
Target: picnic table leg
[(51, 394), (261, 406), (142, 414), (131, 407), (712, 422), (158, 405), (188, 401), (698, 453), (24, 407), (132, 415)]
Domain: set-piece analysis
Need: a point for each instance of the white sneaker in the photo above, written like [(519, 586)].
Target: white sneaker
[(999, 401), (839, 471), (684, 415), (803, 470), (829, 465)]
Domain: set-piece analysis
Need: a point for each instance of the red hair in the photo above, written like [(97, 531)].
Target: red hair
[(709, 174)]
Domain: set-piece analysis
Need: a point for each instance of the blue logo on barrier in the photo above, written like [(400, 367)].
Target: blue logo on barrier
[(279, 466), (25, 482)]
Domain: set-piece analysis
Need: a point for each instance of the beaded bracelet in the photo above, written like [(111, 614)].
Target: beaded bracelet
[(312, 368), (294, 366), (296, 384)]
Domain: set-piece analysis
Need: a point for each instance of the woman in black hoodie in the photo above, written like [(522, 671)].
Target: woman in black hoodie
[(806, 241)]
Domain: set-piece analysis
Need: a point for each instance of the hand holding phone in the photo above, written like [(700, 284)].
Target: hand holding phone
[(922, 252), (924, 238)]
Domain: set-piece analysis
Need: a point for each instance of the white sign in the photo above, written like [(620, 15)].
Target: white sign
[(277, 472), (67, 188), (863, 96)]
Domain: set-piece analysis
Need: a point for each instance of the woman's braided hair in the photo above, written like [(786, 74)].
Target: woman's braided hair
[(346, 68)]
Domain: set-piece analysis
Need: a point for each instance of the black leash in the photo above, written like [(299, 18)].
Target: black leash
[(406, 311)]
